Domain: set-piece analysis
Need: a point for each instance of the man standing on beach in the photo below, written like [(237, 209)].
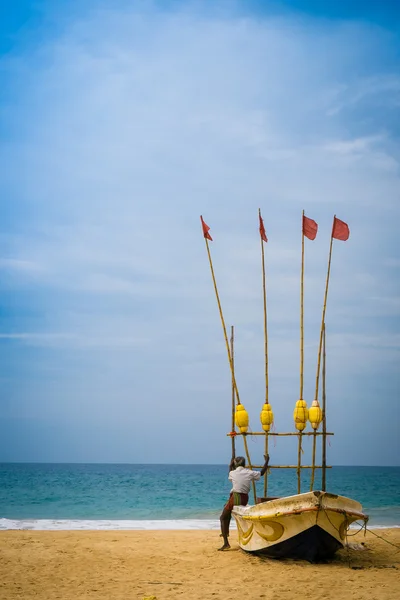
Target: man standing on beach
[(241, 480)]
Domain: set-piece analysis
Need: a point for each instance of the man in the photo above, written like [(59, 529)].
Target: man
[(241, 480)]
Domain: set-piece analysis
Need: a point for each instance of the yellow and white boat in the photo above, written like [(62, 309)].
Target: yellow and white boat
[(311, 526)]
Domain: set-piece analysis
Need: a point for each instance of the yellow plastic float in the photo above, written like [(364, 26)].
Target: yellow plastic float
[(315, 415), (266, 417), (242, 418), (300, 415)]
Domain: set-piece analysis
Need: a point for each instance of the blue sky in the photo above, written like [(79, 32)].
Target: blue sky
[(121, 123)]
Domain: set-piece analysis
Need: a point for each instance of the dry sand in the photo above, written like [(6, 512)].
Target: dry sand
[(49, 565)]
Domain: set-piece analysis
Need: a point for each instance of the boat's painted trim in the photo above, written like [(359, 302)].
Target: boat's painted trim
[(303, 510)]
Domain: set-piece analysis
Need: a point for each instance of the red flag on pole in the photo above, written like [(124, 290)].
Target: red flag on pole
[(340, 230), (206, 229), (262, 229), (310, 228)]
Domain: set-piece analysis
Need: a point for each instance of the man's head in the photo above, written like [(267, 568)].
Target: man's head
[(239, 462)]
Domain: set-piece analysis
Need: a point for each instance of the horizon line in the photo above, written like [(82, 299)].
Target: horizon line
[(172, 464)]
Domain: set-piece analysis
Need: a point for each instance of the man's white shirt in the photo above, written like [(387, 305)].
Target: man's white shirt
[(241, 479)]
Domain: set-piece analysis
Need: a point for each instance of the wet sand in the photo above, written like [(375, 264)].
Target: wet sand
[(130, 565)]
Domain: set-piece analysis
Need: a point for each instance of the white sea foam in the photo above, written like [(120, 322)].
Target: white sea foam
[(123, 525), (104, 525)]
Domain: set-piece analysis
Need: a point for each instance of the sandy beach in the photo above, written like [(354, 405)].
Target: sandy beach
[(49, 565)]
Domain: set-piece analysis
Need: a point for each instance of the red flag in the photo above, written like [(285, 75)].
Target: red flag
[(310, 228), (206, 229), (262, 229), (340, 230)]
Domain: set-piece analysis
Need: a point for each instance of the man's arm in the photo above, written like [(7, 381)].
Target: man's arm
[(265, 467), (232, 465)]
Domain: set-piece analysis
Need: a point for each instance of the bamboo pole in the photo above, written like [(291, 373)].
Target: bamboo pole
[(266, 474), (265, 315), (300, 439), (299, 463), (233, 394), (323, 316), (324, 414), (265, 343), (222, 322), (302, 311), (320, 342), (250, 466), (313, 462)]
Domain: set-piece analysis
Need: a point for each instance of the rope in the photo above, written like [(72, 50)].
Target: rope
[(345, 514), (346, 534), (347, 543), (381, 538), (364, 526)]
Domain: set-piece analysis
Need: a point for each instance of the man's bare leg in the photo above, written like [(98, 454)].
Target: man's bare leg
[(225, 520)]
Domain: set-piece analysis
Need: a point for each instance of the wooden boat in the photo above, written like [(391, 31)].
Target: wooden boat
[(310, 526)]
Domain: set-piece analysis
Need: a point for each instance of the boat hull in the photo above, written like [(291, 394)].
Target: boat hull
[(311, 526)]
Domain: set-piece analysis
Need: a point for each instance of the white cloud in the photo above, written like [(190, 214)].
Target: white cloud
[(23, 266), (354, 146), (384, 88)]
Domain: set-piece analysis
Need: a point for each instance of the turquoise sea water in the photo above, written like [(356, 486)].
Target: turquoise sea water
[(82, 496)]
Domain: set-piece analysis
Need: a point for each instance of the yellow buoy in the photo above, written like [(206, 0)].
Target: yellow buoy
[(315, 415), (242, 418), (266, 417), (300, 415)]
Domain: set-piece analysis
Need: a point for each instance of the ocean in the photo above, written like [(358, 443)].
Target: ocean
[(124, 496)]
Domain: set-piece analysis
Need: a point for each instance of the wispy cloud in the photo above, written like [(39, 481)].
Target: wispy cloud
[(19, 265), (382, 89)]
